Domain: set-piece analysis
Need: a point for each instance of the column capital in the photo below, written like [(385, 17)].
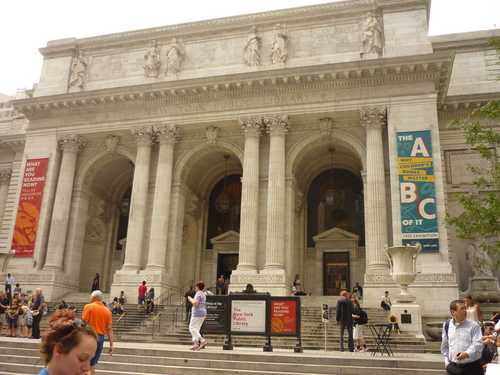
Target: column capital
[(5, 175), (251, 127), (373, 117), (72, 143), (277, 125), (145, 135), (167, 133)]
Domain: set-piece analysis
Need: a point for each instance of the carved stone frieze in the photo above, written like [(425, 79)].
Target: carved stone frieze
[(112, 143), (258, 279), (325, 126), (212, 134)]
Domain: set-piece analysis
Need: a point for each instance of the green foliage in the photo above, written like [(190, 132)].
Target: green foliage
[(481, 219)]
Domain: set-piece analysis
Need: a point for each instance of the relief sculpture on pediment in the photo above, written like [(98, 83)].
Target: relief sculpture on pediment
[(152, 61), (372, 35), (175, 57), (252, 48), (279, 46)]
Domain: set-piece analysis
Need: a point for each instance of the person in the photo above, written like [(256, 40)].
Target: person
[(473, 310), (489, 344), (208, 292), (67, 346), (462, 342), (190, 293), (100, 319), (37, 307), (152, 61), (358, 290), (221, 285), (386, 301), (297, 291), (73, 307), (345, 310), (175, 58), (358, 326), (122, 296), (143, 289), (198, 315), (9, 281), (227, 282), (27, 322), (77, 71), (296, 280), (118, 307), (372, 35), (279, 51), (252, 54), (18, 288), (393, 325), (62, 305), (4, 305), (95, 282), (150, 301), (12, 318)]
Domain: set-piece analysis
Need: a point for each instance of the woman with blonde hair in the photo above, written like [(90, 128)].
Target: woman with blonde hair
[(473, 310), (68, 345)]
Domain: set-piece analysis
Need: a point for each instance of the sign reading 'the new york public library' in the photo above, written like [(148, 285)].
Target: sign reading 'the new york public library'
[(417, 190)]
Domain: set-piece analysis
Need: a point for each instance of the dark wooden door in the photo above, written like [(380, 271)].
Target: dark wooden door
[(335, 273)]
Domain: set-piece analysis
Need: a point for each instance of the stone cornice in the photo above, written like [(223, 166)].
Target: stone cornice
[(435, 68), (336, 9)]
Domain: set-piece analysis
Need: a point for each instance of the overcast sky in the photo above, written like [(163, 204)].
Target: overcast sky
[(27, 25)]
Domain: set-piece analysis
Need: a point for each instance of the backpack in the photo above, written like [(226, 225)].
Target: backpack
[(363, 317)]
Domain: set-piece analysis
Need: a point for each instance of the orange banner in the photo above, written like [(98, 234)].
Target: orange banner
[(28, 211)]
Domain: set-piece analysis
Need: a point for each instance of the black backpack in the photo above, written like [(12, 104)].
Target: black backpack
[(363, 317)]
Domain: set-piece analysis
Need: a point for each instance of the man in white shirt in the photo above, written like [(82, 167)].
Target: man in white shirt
[(386, 301), (9, 281), (462, 344)]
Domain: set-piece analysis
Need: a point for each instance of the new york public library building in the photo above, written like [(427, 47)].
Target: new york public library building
[(299, 141)]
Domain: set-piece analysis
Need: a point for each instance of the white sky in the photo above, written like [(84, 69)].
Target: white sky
[(27, 25)]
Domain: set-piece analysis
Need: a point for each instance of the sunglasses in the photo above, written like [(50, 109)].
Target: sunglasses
[(76, 323)]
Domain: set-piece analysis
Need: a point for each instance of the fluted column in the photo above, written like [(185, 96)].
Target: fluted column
[(252, 129), (4, 189), (277, 127), (373, 119), (168, 136), (135, 233), (71, 144)]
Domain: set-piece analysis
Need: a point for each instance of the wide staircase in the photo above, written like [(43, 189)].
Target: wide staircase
[(157, 345)]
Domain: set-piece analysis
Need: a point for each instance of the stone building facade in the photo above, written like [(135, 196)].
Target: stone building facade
[(259, 146)]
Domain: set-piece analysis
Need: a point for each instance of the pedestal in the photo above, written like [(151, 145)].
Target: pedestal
[(409, 317)]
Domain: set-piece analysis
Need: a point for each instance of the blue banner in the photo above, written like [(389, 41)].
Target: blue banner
[(417, 190)]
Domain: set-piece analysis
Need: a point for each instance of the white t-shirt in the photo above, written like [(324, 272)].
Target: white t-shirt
[(386, 299)]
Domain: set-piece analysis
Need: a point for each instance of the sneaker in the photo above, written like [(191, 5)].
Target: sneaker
[(202, 344), (194, 347), (357, 350), (365, 349), (351, 350)]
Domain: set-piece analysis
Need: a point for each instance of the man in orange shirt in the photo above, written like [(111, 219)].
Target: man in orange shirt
[(100, 319)]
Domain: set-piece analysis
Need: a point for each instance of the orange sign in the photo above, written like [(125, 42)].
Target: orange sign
[(284, 316), (28, 211)]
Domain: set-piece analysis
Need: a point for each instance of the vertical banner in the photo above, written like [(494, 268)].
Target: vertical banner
[(417, 190), (28, 211), (284, 316)]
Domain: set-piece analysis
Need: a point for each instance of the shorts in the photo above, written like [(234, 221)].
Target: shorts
[(2, 318), (100, 344), (358, 332), (141, 299)]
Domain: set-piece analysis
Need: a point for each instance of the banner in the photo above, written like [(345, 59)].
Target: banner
[(28, 211), (417, 191)]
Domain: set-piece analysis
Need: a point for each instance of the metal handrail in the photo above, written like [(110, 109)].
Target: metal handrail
[(155, 301)]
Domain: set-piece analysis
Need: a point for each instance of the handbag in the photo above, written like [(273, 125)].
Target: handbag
[(35, 313)]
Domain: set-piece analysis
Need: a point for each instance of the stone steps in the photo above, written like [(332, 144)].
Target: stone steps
[(18, 356)]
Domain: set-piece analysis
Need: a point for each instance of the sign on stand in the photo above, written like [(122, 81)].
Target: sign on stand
[(324, 317), (255, 315)]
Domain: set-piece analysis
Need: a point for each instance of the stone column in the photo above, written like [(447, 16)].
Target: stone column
[(135, 233), (4, 189), (373, 119), (277, 127), (252, 129), (168, 136), (70, 144)]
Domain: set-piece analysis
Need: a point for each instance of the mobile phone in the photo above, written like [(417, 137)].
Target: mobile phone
[(458, 355)]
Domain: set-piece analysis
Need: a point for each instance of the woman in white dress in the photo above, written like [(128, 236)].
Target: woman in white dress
[(473, 310)]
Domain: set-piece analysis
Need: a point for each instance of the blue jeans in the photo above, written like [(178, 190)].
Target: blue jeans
[(100, 343), (350, 342)]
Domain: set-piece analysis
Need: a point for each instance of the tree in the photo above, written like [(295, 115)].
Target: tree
[(481, 218)]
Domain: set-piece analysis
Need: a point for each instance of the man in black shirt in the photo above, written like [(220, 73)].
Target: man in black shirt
[(190, 293), (37, 306), (4, 304)]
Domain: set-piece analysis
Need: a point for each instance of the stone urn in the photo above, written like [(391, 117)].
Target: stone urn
[(403, 271)]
